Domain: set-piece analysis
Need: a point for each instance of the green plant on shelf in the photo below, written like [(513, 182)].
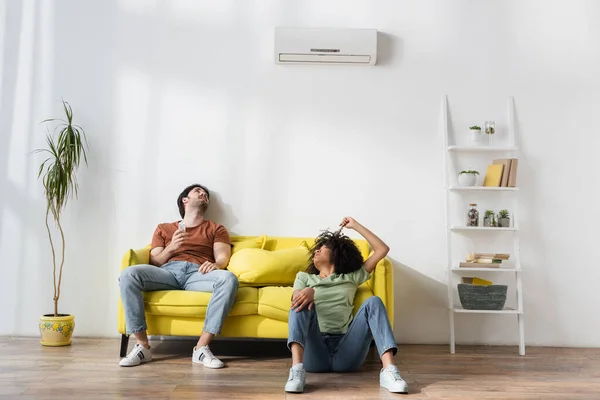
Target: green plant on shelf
[(469, 171), (503, 214), (475, 128)]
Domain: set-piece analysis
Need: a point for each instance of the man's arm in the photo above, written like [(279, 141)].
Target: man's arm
[(222, 252), (380, 249), (160, 255)]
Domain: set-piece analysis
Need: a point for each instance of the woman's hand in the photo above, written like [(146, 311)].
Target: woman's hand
[(305, 297), (349, 222)]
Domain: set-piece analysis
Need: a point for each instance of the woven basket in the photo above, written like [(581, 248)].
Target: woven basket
[(478, 297)]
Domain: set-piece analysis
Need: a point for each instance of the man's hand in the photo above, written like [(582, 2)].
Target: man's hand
[(349, 222), (207, 267), (305, 297), (177, 240)]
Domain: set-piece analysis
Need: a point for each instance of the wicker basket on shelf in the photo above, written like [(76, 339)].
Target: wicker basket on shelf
[(479, 297)]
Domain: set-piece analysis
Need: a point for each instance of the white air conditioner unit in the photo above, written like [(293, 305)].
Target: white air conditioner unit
[(325, 46)]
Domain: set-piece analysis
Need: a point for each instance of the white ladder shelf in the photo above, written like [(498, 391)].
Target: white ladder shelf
[(452, 152)]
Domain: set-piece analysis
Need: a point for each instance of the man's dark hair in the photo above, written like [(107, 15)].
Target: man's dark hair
[(344, 254), (185, 193)]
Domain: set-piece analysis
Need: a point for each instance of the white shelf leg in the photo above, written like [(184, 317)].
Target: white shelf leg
[(452, 344), (521, 335)]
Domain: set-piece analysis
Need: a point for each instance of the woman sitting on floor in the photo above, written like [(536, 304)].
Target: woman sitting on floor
[(323, 336)]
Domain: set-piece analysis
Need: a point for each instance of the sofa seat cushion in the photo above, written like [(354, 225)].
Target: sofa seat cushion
[(274, 302), (185, 303), (362, 293)]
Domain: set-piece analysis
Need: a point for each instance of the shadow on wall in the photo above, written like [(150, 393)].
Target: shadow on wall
[(420, 304), (221, 212), (389, 48)]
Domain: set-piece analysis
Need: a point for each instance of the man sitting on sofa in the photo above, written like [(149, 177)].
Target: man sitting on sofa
[(190, 254)]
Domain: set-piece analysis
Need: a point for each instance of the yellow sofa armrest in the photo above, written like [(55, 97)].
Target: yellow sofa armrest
[(382, 286), (131, 257), (135, 257)]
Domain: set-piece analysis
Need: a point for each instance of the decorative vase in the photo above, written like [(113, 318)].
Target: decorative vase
[(472, 215), (504, 222), (487, 222), (56, 331), (467, 179), (476, 135)]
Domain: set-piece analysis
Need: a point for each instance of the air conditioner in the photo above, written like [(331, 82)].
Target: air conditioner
[(325, 46)]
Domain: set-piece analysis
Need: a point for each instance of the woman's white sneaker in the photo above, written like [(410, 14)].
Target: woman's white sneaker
[(390, 379), (296, 380), (138, 355), (204, 356)]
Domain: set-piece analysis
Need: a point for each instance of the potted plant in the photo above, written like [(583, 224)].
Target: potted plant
[(475, 133), (65, 150), (503, 219), (487, 218), (467, 177)]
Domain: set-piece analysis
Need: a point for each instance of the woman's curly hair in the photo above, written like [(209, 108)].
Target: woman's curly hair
[(344, 254)]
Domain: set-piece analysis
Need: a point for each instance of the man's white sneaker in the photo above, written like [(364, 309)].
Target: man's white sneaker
[(390, 379), (297, 379), (138, 355), (204, 356)]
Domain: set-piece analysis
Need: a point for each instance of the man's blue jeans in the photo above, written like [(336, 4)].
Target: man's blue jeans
[(176, 275), (340, 353)]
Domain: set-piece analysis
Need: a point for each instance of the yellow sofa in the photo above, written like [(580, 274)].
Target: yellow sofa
[(258, 311)]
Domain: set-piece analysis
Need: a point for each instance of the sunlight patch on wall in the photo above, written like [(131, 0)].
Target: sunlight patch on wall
[(11, 230), (18, 144), (2, 44)]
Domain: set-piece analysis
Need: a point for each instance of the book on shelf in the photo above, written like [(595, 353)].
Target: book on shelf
[(486, 260), (493, 175), (512, 174), (470, 264), (498, 256), (476, 281), (505, 170), (509, 172)]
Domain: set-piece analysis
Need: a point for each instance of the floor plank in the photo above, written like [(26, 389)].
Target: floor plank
[(258, 369)]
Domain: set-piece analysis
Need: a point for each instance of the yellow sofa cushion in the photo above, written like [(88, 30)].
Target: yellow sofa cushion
[(274, 302), (185, 303), (262, 267), (243, 242)]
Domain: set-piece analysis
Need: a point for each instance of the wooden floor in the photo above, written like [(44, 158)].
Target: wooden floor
[(257, 370)]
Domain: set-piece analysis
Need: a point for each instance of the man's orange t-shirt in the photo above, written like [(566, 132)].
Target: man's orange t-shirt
[(198, 246)]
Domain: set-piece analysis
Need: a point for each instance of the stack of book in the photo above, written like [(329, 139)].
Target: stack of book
[(484, 260), (502, 173)]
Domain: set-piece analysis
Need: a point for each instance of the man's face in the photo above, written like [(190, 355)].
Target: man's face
[(197, 197)]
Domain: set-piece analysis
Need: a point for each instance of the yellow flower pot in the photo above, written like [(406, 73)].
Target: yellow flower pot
[(56, 331)]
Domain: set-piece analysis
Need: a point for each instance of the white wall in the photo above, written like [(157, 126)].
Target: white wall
[(174, 92)]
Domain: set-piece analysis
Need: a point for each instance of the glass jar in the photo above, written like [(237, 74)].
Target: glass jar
[(490, 130), (472, 215)]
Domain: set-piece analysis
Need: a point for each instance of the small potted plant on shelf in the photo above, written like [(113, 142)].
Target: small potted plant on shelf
[(488, 217), (467, 177), (503, 219), (475, 133)]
